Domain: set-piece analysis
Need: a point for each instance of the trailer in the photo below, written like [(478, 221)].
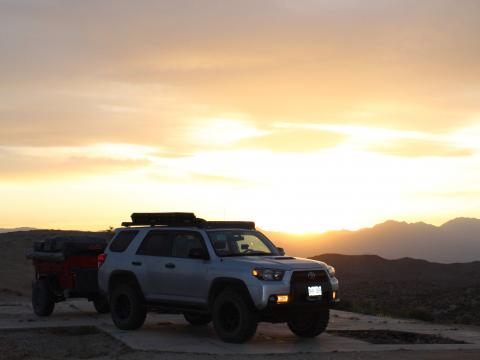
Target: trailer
[(66, 267)]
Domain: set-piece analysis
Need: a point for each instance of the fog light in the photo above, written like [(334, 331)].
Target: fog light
[(282, 299), (334, 295), (272, 299)]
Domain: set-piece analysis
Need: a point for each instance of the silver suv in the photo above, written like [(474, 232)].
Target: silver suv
[(225, 272)]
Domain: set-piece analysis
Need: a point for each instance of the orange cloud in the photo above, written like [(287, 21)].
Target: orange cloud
[(293, 140), (421, 148), (15, 166)]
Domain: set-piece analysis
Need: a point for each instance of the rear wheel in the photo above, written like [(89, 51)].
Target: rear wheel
[(234, 319), (43, 301), (101, 305), (197, 319), (309, 324), (127, 308)]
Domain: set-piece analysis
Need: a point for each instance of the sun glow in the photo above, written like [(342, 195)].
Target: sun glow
[(222, 131), (342, 187)]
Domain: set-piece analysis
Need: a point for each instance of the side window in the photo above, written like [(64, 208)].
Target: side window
[(220, 243), (123, 239), (184, 241), (156, 243)]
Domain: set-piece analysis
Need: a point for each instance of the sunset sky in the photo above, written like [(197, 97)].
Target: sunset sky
[(303, 116)]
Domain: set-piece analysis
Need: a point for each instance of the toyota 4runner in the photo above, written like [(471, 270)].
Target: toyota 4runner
[(225, 272)]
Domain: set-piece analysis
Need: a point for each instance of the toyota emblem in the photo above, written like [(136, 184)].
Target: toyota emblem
[(311, 275)]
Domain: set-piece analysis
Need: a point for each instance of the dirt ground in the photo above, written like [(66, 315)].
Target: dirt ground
[(93, 344), (76, 332), (37, 339)]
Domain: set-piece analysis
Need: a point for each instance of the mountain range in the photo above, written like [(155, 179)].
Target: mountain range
[(457, 240)]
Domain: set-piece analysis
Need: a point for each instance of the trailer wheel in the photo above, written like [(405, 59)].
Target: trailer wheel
[(42, 298), (101, 305)]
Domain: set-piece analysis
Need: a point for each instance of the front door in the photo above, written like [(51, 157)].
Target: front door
[(186, 278)]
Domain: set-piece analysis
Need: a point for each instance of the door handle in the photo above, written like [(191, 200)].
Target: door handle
[(170, 265), (136, 263)]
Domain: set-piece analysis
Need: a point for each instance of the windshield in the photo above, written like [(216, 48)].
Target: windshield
[(240, 243)]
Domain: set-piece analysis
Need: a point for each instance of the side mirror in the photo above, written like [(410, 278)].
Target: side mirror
[(198, 253), (281, 251)]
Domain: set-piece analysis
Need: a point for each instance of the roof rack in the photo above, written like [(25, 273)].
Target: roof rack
[(248, 225), (183, 219)]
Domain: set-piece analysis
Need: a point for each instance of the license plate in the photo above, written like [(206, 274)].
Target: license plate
[(314, 291)]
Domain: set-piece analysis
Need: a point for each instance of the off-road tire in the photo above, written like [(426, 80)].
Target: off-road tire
[(234, 319), (197, 319), (127, 308), (309, 324), (101, 305), (43, 301)]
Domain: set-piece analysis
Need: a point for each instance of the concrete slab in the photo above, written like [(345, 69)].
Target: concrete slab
[(171, 333)]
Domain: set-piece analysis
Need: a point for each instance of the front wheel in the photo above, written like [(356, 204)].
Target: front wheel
[(234, 319), (43, 301), (197, 319), (309, 324), (101, 305), (127, 308)]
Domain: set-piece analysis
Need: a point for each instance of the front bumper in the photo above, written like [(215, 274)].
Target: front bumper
[(296, 288), (275, 312)]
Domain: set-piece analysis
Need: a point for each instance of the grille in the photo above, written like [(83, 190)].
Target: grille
[(302, 279), (309, 276)]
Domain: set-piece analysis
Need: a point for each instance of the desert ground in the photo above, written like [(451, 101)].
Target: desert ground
[(75, 331)]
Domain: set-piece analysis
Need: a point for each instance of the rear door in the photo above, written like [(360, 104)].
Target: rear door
[(186, 278), (152, 256), (118, 256)]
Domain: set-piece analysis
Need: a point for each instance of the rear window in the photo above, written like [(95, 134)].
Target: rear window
[(123, 239), (156, 243)]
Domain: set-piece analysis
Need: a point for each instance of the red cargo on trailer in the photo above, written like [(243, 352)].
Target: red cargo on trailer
[(66, 267)]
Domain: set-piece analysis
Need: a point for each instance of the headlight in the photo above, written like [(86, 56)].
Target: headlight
[(331, 271), (268, 274)]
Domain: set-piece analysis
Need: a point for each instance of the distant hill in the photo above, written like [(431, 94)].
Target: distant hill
[(376, 268), (457, 240), (3, 230), (408, 287)]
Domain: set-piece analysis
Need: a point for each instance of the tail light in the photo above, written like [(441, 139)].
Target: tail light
[(101, 259)]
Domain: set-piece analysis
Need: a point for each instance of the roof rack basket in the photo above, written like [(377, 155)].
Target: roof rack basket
[(166, 219), (184, 219)]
